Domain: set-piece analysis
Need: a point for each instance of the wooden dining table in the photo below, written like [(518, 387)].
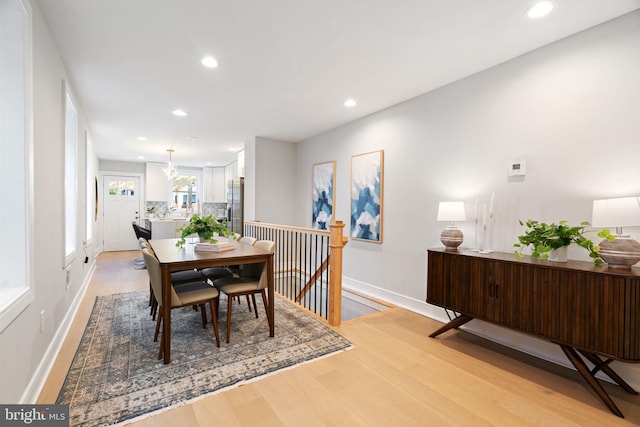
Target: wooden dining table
[(173, 258)]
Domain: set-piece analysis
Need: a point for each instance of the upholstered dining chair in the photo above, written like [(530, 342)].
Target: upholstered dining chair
[(177, 278), (185, 295), (252, 280), (215, 273)]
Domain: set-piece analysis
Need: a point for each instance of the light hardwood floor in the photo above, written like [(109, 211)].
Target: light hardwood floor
[(395, 376)]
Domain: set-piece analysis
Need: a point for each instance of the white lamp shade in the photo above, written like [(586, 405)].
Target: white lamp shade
[(620, 212), (451, 211)]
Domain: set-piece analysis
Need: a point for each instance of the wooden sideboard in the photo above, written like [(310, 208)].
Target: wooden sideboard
[(586, 309)]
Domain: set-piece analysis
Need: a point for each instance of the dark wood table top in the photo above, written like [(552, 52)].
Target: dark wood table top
[(186, 256)]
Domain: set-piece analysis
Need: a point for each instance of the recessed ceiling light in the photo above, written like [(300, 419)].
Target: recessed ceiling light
[(540, 9), (209, 61), (141, 157), (192, 138), (209, 163), (350, 103), (141, 138), (178, 113)]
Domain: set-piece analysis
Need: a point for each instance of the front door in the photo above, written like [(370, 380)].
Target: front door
[(121, 207)]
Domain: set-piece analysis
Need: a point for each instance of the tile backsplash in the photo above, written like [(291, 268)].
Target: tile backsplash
[(160, 207), (217, 209)]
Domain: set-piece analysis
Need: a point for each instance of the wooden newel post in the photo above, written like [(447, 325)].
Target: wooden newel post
[(337, 242)]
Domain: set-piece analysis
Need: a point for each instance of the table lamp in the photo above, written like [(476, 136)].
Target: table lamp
[(451, 237), (624, 251)]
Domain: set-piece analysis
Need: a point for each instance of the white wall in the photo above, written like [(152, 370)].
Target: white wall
[(571, 110), (27, 352), (270, 181)]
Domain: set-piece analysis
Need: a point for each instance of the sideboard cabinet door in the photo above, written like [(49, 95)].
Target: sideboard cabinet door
[(456, 283)]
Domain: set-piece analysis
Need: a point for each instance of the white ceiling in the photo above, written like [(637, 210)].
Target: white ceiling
[(286, 66)]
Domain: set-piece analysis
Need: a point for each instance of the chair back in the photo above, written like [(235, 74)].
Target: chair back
[(258, 271), (248, 240), (144, 244), (155, 277), (141, 231)]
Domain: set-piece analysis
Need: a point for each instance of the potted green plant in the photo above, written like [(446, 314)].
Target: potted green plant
[(204, 227), (544, 238)]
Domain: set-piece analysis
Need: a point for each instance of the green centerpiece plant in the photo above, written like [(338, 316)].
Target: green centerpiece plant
[(543, 238), (204, 227)]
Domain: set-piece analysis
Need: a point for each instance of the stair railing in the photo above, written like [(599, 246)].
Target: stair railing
[(307, 265)]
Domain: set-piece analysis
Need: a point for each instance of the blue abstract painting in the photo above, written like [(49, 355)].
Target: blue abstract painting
[(323, 194), (366, 196)]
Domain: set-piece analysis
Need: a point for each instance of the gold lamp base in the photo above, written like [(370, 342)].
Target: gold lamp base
[(451, 237), (620, 253)]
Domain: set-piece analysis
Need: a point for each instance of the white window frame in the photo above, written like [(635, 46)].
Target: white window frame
[(70, 225), (90, 190), (15, 299)]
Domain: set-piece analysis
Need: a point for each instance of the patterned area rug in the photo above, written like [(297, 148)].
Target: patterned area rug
[(116, 376)]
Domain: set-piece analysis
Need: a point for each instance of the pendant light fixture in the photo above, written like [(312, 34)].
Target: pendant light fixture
[(170, 171)]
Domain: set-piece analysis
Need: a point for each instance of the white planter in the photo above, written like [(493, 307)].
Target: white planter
[(558, 255)]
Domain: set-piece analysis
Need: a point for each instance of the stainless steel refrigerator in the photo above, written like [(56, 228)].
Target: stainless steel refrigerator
[(235, 205)]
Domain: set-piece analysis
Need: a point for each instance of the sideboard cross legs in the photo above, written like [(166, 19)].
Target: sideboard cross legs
[(590, 378), (453, 324), (603, 366)]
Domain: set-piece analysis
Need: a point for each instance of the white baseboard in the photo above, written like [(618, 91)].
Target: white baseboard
[(516, 340), (39, 377)]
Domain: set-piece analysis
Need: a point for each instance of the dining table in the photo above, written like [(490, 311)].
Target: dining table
[(173, 258)]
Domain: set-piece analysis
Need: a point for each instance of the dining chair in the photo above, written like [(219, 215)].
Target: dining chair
[(177, 278), (252, 280), (141, 233), (215, 273), (185, 295)]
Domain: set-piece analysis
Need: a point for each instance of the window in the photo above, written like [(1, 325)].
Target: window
[(70, 182), (91, 190), (185, 193), (121, 187), (16, 217)]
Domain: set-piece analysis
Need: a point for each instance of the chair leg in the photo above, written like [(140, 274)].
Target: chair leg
[(154, 309), (229, 307), (204, 316), (249, 303), (161, 350), (158, 322), (255, 307), (214, 315), (264, 301)]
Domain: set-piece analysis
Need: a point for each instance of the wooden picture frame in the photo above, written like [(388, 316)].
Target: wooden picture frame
[(323, 194), (367, 177)]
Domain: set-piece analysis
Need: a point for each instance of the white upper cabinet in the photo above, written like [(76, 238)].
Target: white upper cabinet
[(213, 185), (156, 183)]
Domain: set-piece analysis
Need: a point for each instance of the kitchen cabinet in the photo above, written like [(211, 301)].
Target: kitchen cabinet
[(165, 228), (157, 186), (214, 189)]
